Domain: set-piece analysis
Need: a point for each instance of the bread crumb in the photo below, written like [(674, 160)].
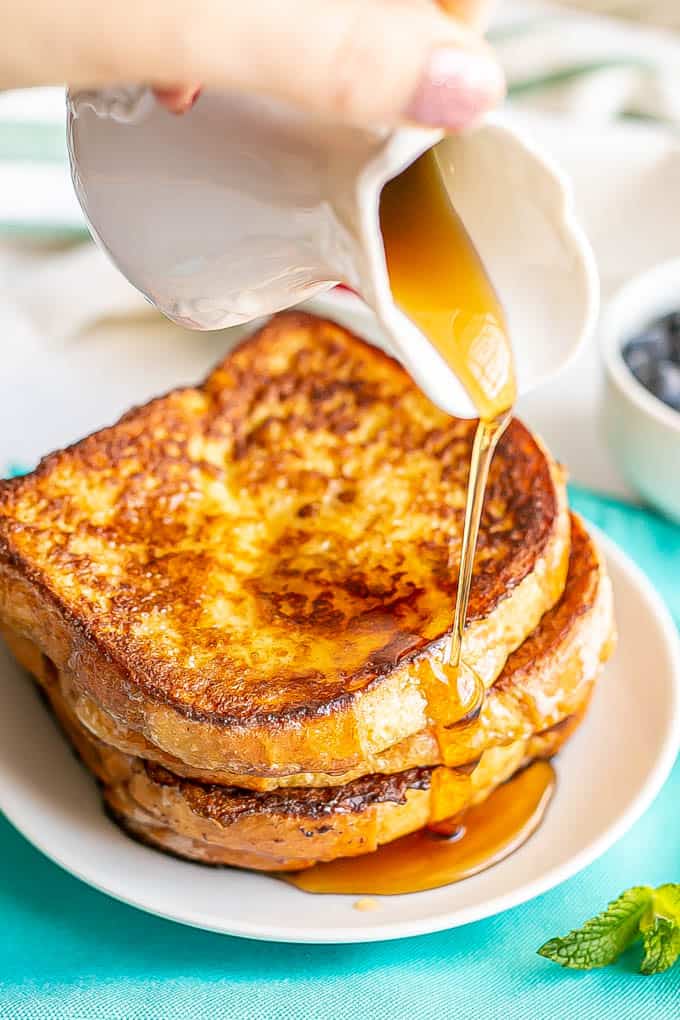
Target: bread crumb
[(366, 904)]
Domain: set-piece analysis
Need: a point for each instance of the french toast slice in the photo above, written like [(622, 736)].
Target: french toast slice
[(294, 828), (541, 683), (555, 671), (285, 836), (246, 572)]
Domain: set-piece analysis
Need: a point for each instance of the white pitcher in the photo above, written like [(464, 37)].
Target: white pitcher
[(243, 206)]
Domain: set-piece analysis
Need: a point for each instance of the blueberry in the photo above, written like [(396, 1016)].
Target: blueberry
[(639, 357), (662, 379), (646, 372), (653, 356), (671, 323), (655, 339), (667, 383)]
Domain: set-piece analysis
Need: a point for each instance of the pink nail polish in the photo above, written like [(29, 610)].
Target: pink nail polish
[(177, 100), (457, 87), (186, 101)]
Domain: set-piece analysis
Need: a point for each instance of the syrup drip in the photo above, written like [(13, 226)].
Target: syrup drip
[(439, 281), (486, 439), (441, 854)]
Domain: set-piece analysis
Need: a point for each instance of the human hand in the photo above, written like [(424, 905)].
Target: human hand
[(362, 61), (453, 103)]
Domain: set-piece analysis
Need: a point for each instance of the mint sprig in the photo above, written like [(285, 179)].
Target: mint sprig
[(652, 915)]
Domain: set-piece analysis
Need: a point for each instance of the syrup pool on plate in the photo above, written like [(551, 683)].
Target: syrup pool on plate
[(446, 852)]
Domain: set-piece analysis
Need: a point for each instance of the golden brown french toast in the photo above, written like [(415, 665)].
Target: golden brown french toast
[(245, 572), (541, 683), (530, 711), (293, 828), (221, 825)]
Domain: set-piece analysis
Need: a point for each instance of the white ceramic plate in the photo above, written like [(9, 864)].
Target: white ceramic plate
[(632, 735), (632, 731)]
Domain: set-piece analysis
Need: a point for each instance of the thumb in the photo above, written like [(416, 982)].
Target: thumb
[(362, 61)]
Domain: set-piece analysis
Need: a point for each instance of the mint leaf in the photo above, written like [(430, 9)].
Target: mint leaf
[(602, 939), (667, 901), (652, 914), (660, 930), (661, 944)]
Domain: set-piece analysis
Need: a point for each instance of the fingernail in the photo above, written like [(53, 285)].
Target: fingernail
[(457, 87), (177, 100), (185, 101)]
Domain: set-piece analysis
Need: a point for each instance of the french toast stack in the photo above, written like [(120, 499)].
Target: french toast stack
[(237, 600)]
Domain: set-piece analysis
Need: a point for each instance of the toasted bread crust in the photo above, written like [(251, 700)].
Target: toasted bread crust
[(540, 684), (286, 830), (245, 572), (289, 843)]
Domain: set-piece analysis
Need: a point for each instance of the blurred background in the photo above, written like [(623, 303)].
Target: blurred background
[(597, 82)]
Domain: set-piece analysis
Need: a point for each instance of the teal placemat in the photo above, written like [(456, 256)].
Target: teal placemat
[(70, 953)]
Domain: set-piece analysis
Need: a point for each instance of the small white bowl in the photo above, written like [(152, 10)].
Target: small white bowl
[(642, 431)]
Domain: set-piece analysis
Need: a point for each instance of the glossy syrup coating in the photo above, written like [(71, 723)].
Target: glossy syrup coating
[(292, 829), (528, 713), (233, 567), (540, 684)]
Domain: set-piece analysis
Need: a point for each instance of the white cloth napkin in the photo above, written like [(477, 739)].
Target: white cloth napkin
[(586, 65), (662, 13)]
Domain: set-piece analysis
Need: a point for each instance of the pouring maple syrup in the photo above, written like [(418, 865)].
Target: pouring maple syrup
[(439, 281)]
